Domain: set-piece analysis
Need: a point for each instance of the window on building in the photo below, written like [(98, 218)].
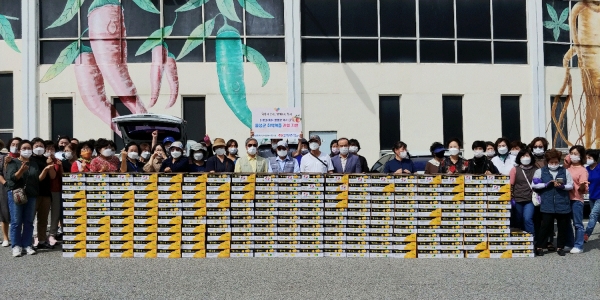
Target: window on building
[(510, 115), (559, 134), (61, 117), (194, 112), (452, 114), (263, 34), (389, 121), (122, 110), (557, 31), (425, 31), (6, 107)]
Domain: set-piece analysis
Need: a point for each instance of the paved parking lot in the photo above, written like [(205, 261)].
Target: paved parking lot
[(48, 275)]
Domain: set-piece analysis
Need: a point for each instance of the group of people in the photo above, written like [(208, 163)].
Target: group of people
[(34, 169)]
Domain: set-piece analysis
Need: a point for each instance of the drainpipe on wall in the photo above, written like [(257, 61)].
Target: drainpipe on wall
[(29, 17), (293, 53), (536, 61)]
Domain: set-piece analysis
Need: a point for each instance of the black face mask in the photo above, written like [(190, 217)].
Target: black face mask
[(61, 148), (439, 154)]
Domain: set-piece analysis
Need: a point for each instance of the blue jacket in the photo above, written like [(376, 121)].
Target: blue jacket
[(594, 179), (352, 164), (554, 200), (393, 165)]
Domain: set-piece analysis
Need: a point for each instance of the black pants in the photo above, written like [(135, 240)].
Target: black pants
[(537, 223), (547, 228)]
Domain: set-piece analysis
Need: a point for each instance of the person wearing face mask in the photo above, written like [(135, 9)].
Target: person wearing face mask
[(539, 146), (84, 154), (69, 157), (197, 158), (62, 141), (251, 163), (354, 148), (302, 150), (401, 164), (490, 150), (55, 200), (437, 151), (219, 162), (515, 148), (521, 177), (156, 159), (479, 164), (503, 162), (345, 162), (132, 158), (24, 173), (453, 164), (335, 149), (594, 191), (232, 150), (315, 161), (553, 183), (106, 161), (176, 162), (43, 159), (145, 152), (4, 212), (14, 147), (167, 142), (283, 163), (574, 165)]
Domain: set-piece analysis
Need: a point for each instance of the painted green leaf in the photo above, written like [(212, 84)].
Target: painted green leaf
[(147, 5), (549, 24), (100, 3), (70, 11), (564, 27), (190, 5), (253, 8), (6, 32), (260, 62), (552, 12), (564, 15), (197, 37), (155, 39), (556, 32), (171, 55), (65, 58), (85, 49), (228, 10), (12, 18)]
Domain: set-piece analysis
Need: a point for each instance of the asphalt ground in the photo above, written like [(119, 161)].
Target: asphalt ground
[(48, 275)]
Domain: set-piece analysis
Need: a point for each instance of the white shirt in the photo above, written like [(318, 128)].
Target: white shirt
[(310, 164), (504, 167)]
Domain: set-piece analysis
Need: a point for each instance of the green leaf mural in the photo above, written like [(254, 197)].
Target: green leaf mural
[(155, 39), (556, 24), (100, 3), (147, 6), (70, 11), (7, 33), (190, 5), (65, 58), (260, 62), (253, 8), (197, 37), (227, 8)]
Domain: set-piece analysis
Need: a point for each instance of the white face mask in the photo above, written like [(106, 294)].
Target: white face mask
[(353, 149), (403, 154), (490, 153), (304, 151), (145, 155), (233, 151), (48, 154), (14, 149), (590, 162), (478, 153), (175, 154), (198, 156), (575, 158), (335, 150), (26, 153), (313, 146), (514, 152), (68, 155), (274, 146), (39, 151), (344, 151), (502, 150), (133, 155), (525, 161), (282, 153), (252, 150), (220, 151), (453, 151), (538, 151), (108, 152), (553, 167)]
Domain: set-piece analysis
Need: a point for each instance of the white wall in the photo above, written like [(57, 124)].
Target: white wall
[(10, 62)]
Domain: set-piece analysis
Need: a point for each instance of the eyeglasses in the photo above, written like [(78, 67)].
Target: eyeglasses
[(252, 145)]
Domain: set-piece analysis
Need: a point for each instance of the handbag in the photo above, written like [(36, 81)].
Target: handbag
[(535, 197), (19, 196)]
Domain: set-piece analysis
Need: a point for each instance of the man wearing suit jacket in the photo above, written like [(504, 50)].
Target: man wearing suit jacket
[(251, 163), (345, 162)]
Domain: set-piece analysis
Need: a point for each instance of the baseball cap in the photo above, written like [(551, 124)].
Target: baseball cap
[(314, 137), (177, 145), (168, 139), (439, 149), (282, 143)]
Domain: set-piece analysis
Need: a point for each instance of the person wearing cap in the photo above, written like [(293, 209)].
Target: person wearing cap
[(479, 164), (219, 162), (437, 151), (302, 150), (354, 148), (197, 158), (167, 142), (283, 163), (176, 162), (316, 161), (344, 161), (252, 163), (401, 164)]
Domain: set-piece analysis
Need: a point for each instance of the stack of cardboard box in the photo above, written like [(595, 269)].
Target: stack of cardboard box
[(99, 212), (243, 187), (193, 224), (74, 223), (121, 215), (218, 215), (405, 216), (335, 215), (145, 215)]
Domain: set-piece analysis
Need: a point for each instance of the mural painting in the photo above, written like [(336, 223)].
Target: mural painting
[(105, 59), (6, 31)]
